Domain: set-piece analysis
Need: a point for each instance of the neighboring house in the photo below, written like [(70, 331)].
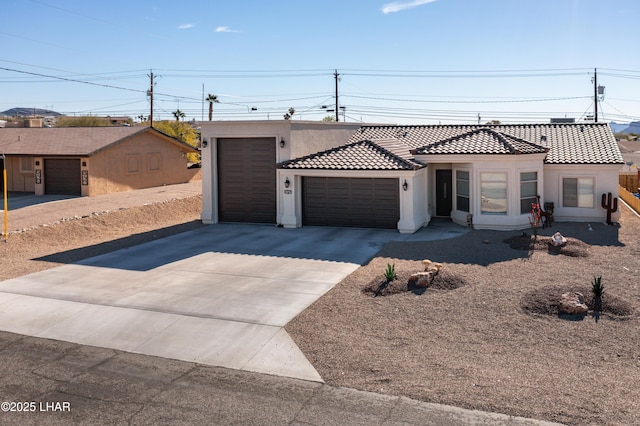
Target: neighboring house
[(92, 160), (294, 173)]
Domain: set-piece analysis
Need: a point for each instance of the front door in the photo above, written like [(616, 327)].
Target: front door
[(444, 196)]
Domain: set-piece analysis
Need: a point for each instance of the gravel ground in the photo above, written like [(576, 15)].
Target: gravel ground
[(68, 241), (487, 344), (471, 344)]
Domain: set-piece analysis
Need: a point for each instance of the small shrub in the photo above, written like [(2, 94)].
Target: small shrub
[(390, 273), (597, 288)]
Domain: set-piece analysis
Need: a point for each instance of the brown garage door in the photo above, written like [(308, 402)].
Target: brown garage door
[(62, 176), (355, 202), (247, 180)]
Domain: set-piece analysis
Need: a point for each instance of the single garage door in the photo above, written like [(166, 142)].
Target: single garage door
[(62, 176), (353, 202), (247, 180)]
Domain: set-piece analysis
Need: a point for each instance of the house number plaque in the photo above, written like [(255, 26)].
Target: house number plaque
[(85, 177), (38, 176)]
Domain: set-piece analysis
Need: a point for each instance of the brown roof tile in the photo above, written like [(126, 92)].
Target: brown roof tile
[(360, 155), (482, 141), (587, 143), (74, 141)]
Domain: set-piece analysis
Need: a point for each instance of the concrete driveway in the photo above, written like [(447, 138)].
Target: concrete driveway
[(219, 295)]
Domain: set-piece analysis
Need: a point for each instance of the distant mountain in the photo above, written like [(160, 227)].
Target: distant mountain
[(634, 127), (618, 127), (29, 112)]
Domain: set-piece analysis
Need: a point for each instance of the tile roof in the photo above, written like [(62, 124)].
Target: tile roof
[(359, 155), (74, 141), (481, 141), (575, 143)]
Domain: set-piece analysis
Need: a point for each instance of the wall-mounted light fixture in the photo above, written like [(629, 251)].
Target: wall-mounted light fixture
[(287, 183), (205, 143), (405, 185), (281, 142)]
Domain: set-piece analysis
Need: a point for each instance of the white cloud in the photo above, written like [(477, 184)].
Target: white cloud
[(397, 6), (185, 26), (225, 30)]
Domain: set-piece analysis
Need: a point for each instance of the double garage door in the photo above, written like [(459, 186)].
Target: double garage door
[(353, 202)]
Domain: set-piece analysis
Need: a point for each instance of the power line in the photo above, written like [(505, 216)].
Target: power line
[(73, 80)]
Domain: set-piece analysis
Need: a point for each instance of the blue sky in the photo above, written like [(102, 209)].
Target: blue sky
[(410, 61)]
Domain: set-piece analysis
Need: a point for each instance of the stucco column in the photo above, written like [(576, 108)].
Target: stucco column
[(288, 187), (208, 145), (38, 170), (413, 206)]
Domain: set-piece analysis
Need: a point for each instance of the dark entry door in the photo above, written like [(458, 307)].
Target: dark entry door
[(444, 196)]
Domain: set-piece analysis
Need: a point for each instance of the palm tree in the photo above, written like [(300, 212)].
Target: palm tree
[(178, 114), (211, 99)]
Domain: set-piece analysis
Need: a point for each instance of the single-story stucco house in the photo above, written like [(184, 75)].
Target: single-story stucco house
[(92, 160), (296, 173)]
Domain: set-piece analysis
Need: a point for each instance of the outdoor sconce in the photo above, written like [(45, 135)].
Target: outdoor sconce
[(205, 143), (405, 185), (281, 143), (287, 183)]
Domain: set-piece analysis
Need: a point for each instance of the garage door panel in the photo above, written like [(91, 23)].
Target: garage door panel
[(62, 176), (247, 180), (353, 202)]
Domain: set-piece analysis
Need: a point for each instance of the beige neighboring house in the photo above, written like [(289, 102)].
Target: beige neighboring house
[(92, 160), (296, 173)]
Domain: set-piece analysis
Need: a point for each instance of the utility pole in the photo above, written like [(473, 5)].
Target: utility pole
[(595, 94), (335, 75), (150, 94)]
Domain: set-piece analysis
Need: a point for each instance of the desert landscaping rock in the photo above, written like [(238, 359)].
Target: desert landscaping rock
[(467, 340), (572, 303), (497, 342)]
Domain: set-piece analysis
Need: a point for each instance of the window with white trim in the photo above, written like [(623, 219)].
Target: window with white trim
[(462, 190), (493, 193), (578, 192), (528, 191)]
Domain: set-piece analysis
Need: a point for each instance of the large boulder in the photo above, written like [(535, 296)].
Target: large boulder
[(572, 303)]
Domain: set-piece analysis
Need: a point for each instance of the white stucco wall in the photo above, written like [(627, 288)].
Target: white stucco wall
[(606, 180), (512, 165), (300, 138)]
